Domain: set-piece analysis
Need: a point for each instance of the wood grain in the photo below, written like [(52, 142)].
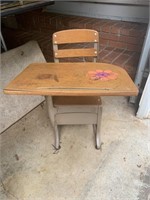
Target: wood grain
[(73, 53), (70, 79), (75, 36)]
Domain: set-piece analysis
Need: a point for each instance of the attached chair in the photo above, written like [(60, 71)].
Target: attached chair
[(65, 110)]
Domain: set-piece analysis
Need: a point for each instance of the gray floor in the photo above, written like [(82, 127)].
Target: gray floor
[(32, 170)]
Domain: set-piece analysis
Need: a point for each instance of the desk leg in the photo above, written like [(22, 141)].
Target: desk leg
[(97, 128), (57, 137), (51, 113), (51, 109)]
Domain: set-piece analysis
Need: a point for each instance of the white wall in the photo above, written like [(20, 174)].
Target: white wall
[(99, 10)]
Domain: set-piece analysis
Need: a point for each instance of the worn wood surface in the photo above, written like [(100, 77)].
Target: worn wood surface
[(70, 53), (70, 79), (75, 36), (76, 100)]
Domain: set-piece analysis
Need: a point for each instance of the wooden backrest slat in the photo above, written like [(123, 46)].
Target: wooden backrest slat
[(72, 53), (75, 36)]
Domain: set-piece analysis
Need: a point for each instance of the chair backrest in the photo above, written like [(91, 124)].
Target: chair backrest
[(62, 41)]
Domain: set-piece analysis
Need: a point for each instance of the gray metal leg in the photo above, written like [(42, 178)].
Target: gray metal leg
[(98, 127), (51, 109), (94, 128), (51, 113), (57, 137)]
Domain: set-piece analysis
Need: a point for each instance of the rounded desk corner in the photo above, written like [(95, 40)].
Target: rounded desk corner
[(137, 92), (5, 91)]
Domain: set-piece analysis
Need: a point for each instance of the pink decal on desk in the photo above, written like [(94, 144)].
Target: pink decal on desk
[(102, 75)]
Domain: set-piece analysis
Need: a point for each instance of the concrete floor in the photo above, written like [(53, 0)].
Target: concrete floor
[(32, 170)]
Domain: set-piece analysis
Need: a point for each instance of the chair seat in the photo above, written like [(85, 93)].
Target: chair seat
[(76, 100)]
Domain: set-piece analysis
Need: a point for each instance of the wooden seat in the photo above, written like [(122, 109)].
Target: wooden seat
[(75, 109), (76, 100)]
